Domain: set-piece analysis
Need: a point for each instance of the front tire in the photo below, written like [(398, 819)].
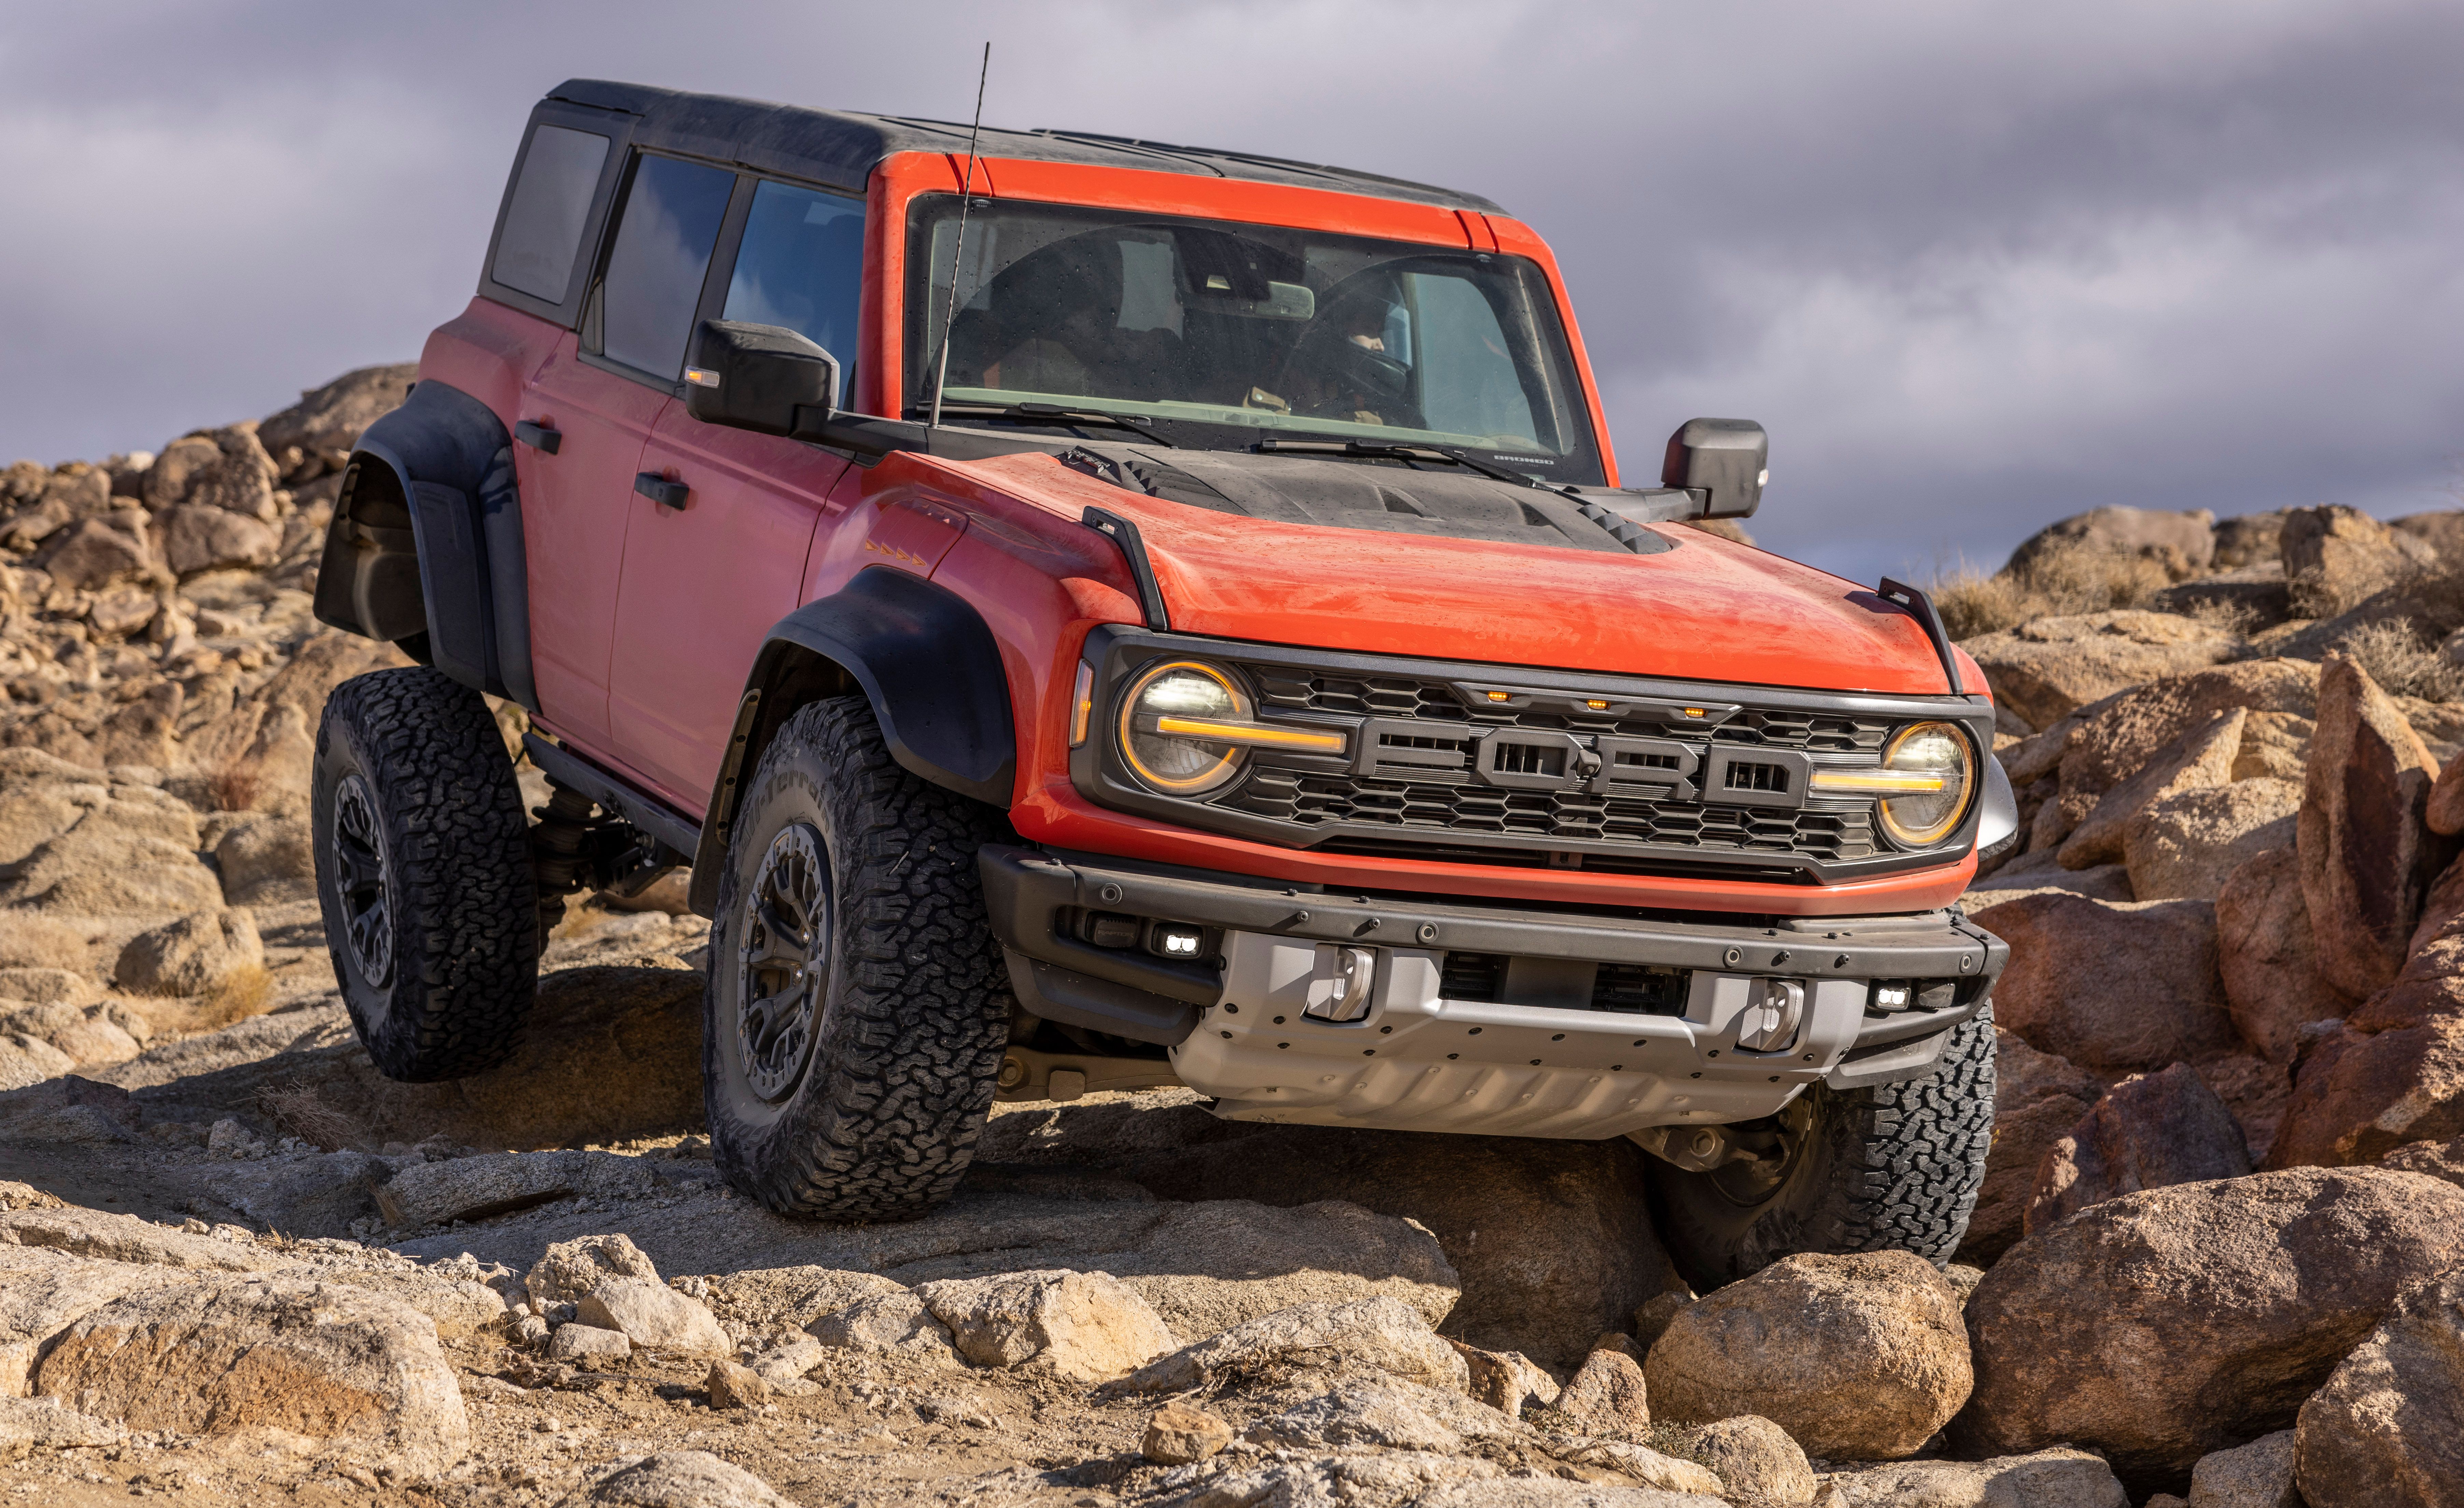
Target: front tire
[(1892, 1166), (857, 1005), (424, 874)]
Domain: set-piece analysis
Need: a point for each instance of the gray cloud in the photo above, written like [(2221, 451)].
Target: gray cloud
[(1975, 267)]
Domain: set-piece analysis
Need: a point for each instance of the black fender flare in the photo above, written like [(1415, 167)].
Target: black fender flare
[(433, 480), (920, 654)]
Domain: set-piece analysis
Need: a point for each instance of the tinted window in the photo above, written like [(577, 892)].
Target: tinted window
[(801, 266), (654, 271), (551, 202)]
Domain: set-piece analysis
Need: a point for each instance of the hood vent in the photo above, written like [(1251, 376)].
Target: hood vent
[(1382, 496)]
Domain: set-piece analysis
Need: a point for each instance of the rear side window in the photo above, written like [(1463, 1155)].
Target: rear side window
[(800, 266), (655, 268), (551, 204)]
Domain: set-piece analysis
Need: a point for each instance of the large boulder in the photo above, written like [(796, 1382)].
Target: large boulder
[(2267, 957), (1087, 1327), (193, 955), (2199, 760), (2336, 556), (44, 1291), (1607, 1395), (2185, 845), (2163, 1325), (674, 1480), (2111, 985), (1755, 1459), (100, 551), (2387, 1430), (2184, 543), (2148, 1131), (1365, 1336), (2050, 666), (199, 537), (653, 1316), (1859, 1358), (2366, 858), (2258, 1475), (338, 1364), (238, 477), (500, 1183), (2060, 1477), (2117, 738), (2359, 1095), (1592, 1259), (315, 433)]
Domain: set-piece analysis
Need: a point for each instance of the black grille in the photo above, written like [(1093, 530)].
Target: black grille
[(1439, 803), (1396, 696)]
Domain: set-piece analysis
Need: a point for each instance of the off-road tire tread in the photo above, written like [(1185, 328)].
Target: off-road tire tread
[(910, 1047), (465, 909), (1924, 1143), (1899, 1170)]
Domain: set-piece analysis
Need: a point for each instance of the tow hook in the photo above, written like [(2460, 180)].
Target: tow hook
[(1338, 987), (1770, 1025)]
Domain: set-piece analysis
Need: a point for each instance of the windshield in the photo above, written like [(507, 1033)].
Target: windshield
[(1217, 333)]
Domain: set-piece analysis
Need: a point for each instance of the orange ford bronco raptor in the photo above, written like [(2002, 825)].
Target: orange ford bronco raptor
[(1166, 616)]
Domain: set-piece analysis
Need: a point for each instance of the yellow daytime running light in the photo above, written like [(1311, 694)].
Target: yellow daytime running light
[(1894, 782), (701, 377), (1596, 703), (1498, 696), (1692, 711), (1082, 704), (1252, 735)]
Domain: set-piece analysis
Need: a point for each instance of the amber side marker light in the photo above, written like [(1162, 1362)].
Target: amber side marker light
[(1082, 704)]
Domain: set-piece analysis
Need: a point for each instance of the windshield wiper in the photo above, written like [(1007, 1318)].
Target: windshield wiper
[(1051, 413), (1381, 451)]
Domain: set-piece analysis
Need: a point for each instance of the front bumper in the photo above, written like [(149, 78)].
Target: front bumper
[(1539, 1059)]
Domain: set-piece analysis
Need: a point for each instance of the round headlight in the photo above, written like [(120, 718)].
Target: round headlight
[(1925, 817), (1174, 763)]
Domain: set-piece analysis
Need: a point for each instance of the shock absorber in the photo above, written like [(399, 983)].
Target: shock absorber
[(565, 852)]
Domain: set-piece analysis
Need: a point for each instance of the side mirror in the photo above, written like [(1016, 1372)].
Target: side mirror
[(756, 376), (1724, 461)]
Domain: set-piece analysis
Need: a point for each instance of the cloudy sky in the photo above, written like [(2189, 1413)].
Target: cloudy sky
[(1976, 267)]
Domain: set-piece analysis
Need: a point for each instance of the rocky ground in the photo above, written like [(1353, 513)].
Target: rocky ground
[(2220, 1252)]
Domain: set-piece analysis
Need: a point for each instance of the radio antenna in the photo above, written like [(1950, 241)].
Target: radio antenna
[(958, 253)]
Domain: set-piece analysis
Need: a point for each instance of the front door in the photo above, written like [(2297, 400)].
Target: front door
[(705, 581)]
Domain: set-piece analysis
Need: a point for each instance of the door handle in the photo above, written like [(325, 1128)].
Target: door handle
[(660, 490), (539, 437)]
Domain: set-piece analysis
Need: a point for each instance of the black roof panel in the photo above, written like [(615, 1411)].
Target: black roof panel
[(842, 146)]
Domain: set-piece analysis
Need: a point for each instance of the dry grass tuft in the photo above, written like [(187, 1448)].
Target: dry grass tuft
[(2062, 585), (297, 1110), (2403, 665), (248, 991), (234, 788)]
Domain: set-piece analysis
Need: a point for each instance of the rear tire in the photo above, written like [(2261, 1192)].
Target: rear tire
[(858, 1006), (1892, 1166), (424, 874)]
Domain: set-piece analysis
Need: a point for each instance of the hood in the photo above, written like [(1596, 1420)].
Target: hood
[(1386, 560)]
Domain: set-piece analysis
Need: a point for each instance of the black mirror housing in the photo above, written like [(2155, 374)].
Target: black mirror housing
[(1724, 461), (756, 376)]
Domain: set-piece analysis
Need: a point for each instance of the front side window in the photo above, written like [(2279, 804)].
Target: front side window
[(1217, 333), (655, 267), (800, 266), (551, 201)]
